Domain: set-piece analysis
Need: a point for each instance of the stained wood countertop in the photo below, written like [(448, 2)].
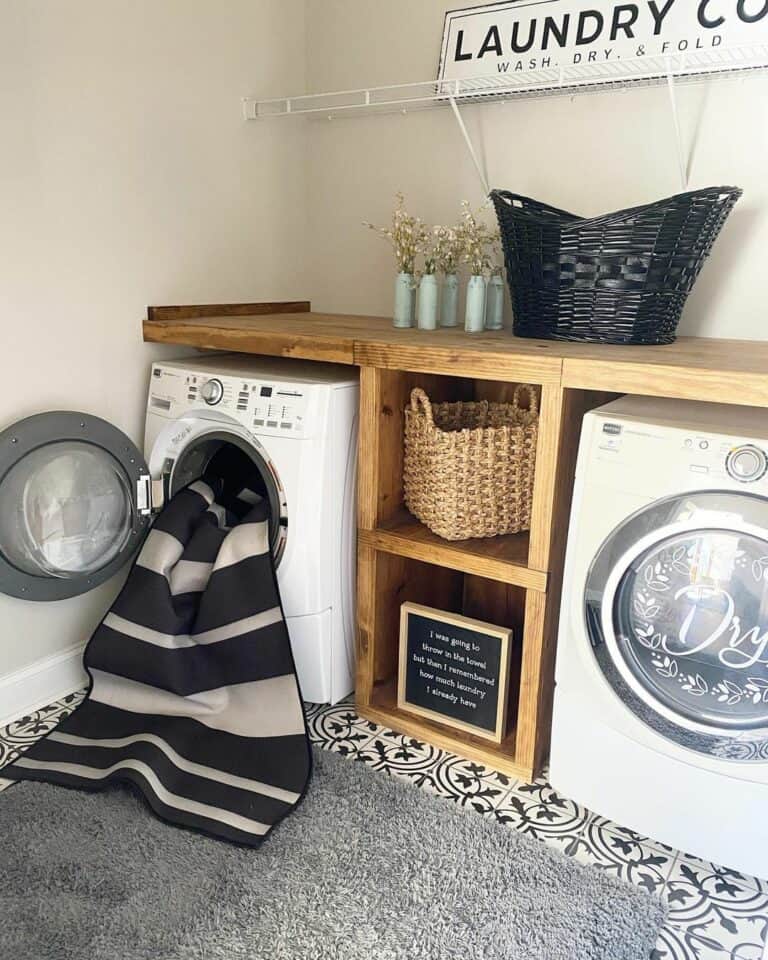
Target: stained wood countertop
[(731, 371)]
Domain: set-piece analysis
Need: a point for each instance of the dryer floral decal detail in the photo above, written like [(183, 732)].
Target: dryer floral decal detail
[(692, 625)]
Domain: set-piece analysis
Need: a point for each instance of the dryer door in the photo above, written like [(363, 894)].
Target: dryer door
[(676, 606), (74, 504)]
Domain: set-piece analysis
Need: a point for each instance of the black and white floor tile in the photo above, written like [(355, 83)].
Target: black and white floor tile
[(715, 913), (21, 734)]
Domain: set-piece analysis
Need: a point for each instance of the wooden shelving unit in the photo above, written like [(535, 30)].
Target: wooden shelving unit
[(505, 580), (511, 581)]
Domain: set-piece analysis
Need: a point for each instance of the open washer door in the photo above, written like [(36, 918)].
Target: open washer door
[(75, 504), (676, 607), (226, 457)]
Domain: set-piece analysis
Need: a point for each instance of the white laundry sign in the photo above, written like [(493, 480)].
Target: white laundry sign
[(603, 41)]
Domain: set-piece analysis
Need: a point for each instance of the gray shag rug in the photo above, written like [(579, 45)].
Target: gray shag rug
[(367, 868)]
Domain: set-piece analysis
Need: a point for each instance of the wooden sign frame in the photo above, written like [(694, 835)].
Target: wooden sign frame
[(583, 43), (502, 634)]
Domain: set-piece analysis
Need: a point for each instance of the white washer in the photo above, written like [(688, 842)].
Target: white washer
[(297, 424), (661, 700)]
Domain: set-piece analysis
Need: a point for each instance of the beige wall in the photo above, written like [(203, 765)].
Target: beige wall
[(127, 177), (597, 153)]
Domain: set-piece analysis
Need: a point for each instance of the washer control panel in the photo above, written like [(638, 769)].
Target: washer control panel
[(212, 391), (274, 407), (280, 407)]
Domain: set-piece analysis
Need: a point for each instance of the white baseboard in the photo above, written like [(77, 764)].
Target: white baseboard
[(39, 684)]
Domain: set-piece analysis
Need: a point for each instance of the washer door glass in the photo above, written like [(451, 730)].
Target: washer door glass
[(691, 619), (65, 510), (75, 501)]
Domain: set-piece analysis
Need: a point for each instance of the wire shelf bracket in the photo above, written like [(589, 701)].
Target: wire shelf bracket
[(691, 66), (672, 70)]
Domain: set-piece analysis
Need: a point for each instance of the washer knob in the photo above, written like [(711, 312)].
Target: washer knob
[(212, 391), (747, 463)]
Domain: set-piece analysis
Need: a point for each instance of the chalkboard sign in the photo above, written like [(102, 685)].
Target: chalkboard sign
[(454, 669)]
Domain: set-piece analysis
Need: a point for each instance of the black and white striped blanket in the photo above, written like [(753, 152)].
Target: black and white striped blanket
[(194, 697)]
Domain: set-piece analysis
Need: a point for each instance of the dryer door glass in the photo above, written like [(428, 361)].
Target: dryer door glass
[(691, 624), (676, 610), (65, 510)]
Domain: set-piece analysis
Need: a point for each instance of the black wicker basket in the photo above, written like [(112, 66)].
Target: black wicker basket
[(620, 278)]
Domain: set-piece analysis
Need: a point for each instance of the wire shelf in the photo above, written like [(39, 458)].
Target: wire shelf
[(691, 66)]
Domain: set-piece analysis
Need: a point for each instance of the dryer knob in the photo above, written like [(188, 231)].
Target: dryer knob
[(747, 463), (212, 391)]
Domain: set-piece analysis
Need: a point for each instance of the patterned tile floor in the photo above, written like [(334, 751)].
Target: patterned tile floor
[(715, 913)]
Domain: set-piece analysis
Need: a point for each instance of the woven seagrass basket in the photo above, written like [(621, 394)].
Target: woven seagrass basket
[(468, 469), (620, 278)]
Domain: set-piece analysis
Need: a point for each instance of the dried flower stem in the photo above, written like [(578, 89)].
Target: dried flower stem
[(447, 249), (479, 241), (407, 236)]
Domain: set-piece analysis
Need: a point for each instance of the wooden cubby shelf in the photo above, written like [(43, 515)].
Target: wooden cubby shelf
[(394, 579), (511, 581), (499, 558), (383, 709)]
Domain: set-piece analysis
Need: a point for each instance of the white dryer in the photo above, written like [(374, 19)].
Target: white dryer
[(296, 423), (661, 700)]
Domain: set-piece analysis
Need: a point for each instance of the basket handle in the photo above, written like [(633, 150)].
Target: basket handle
[(420, 399), (533, 400), (529, 205)]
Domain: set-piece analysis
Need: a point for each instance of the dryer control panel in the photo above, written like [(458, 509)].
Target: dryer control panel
[(264, 406), (707, 447), (746, 463)]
